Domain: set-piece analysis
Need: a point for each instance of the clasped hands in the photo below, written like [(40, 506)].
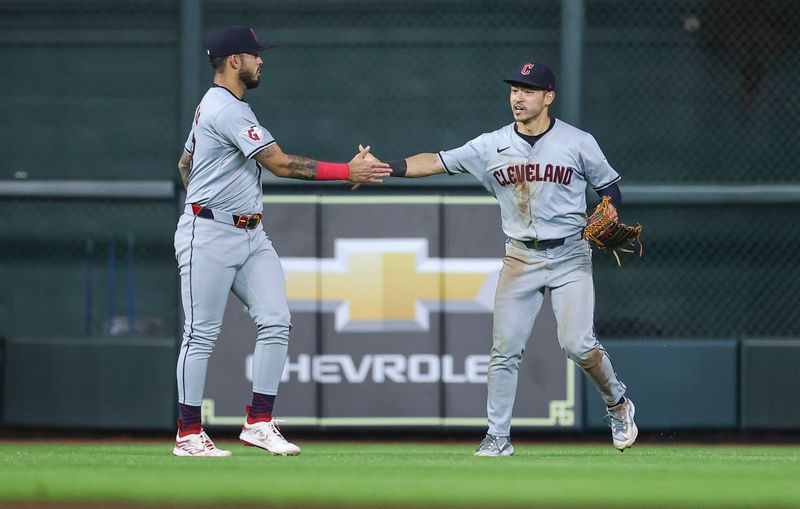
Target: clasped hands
[(366, 168)]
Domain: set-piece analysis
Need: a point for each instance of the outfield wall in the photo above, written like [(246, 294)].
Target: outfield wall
[(676, 384), (391, 297)]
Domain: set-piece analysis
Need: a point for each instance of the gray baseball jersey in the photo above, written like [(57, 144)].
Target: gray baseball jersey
[(541, 189), (225, 135), (542, 194), (216, 257)]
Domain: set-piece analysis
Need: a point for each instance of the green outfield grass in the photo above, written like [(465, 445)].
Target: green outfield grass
[(443, 475)]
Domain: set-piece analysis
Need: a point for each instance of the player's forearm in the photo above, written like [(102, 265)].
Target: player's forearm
[(286, 165), (614, 194), (303, 168), (420, 165), (184, 177), (297, 167), (185, 168)]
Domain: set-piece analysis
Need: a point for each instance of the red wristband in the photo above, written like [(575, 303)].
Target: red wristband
[(332, 171)]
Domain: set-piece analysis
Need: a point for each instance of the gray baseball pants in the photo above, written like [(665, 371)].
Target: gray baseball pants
[(215, 258), (567, 271)]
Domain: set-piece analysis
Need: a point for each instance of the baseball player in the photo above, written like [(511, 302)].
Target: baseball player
[(538, 168), (220, 243)]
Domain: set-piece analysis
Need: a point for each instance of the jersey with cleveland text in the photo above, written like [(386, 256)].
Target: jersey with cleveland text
[(541, 188)]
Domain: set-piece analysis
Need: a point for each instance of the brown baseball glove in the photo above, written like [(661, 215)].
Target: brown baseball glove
[(606, 233)]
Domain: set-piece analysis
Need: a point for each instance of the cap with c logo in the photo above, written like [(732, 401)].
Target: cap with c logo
[(532, 75)]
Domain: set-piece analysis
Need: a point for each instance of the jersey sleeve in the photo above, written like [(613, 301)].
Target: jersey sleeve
[(465, 159), (238, 124), (599, 174), (189, 145)]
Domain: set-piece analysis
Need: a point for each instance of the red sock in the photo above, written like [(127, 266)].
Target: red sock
[(189, 423), (261, 410), (183, 430)]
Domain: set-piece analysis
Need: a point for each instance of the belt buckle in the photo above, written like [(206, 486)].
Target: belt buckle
[(253, 221), (535, 243), (241, 222)]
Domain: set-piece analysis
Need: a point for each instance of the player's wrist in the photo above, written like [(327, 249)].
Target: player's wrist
[(399, 167), (332, 171)]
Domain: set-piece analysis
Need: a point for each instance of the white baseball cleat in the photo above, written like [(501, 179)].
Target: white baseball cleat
[(267, 436), (623, 429), (492, 446), (196, 444)]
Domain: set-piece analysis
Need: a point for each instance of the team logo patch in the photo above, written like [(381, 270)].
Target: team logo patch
[(253, 132)]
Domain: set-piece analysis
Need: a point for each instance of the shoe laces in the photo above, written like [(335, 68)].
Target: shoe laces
[(616, 419), (272, 430), (202, 441), (489, 442)]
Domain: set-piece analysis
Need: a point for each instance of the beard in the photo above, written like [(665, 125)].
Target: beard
[(249, 79)]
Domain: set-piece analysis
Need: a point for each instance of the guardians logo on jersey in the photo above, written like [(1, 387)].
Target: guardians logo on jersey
[(252, 132), (534, 172)]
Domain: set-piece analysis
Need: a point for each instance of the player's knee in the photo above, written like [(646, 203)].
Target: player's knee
[(586, 358), (274, 333), (503, 357), (200, 344), (206, 331), (505, 345)]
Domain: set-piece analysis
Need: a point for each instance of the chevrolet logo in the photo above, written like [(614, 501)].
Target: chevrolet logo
[(389, 284)]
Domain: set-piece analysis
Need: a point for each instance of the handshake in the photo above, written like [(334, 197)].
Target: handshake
[(366, 168)]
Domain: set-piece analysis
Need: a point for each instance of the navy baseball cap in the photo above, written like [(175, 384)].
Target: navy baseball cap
[(234, 39), (533, 75)]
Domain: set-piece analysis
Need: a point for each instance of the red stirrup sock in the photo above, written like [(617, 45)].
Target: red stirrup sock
[(261, 410)]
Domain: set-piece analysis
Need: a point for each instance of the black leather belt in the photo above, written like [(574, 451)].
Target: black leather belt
[(547, 243), (543, 244)]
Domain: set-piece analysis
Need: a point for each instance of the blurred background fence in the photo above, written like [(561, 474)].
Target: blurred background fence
[(695, 102), (701, 91)]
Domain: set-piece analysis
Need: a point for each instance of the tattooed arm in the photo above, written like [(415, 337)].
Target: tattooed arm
[(185, 167), (285, 165), (303, 168)]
